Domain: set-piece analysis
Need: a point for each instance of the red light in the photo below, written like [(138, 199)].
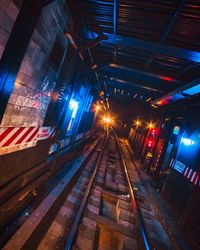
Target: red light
[(153, 131), (163, 102), (149, 143), (166, 78)]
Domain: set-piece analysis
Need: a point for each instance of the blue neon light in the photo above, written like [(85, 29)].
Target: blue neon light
[(187, 141), (195, 56), (73, 105), (192, 91), (177, 97)]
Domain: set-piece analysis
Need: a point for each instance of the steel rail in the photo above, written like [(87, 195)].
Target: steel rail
[(31, 232), (74, 229), (139, 220)]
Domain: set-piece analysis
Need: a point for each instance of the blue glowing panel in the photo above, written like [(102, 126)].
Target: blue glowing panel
[(90, 34), (187, 141), (177, 97), (193, 91), (194, 55), (179, 166), (188, 151), (73, 105)]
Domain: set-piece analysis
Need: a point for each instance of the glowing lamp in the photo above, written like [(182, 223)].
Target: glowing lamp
[(97, 108), (107, 120), (187, 141), (150, 125), (137, 123), (73, 105)]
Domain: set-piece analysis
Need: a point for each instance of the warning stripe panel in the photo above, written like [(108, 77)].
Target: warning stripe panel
[(186, 171), (27, 132), (5, 133), (8, 136), (192, 175), (195, 178), (33, 136), (8, 142), (17, 138)]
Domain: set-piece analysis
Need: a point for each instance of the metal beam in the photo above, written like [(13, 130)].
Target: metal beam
[(141, 72), (136, 85), (141, 77), (115, 17), (91, 43), (167, 31), (115, 13), (179, 90), (162, 49), (184, 70), (154, 47)]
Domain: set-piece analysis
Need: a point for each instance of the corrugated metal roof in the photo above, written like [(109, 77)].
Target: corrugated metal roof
[(170, 23)]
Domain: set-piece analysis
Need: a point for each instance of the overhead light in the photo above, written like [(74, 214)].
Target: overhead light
[(149, 99), (154, 106), (97, 107), (73, 105), (108, 120), (150, 125), (137, 123), (193, 90), (187, 141)]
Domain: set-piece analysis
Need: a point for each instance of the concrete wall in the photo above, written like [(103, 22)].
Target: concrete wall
[(37, 76), (21, 171), (8, 15)]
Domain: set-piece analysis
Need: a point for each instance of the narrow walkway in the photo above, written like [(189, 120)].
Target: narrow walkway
[(162, 226)]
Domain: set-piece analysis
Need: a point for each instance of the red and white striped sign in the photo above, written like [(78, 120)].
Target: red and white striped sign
[(13, 139), (189, 173), (192, 175)]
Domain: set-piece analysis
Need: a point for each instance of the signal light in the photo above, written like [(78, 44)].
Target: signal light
[(149, 143)]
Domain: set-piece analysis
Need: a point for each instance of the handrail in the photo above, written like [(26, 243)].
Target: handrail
[(139, 220), (73, 231)]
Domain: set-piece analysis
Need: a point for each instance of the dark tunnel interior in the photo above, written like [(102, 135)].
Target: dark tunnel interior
[(99, 124)]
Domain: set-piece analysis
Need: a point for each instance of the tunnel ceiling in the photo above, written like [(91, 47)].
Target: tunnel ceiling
[(150, 48)]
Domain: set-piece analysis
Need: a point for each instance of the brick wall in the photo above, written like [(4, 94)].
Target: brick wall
[(38, 73), (8, 15)]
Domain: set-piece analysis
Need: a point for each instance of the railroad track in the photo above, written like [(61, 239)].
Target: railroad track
[(99, 210)]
